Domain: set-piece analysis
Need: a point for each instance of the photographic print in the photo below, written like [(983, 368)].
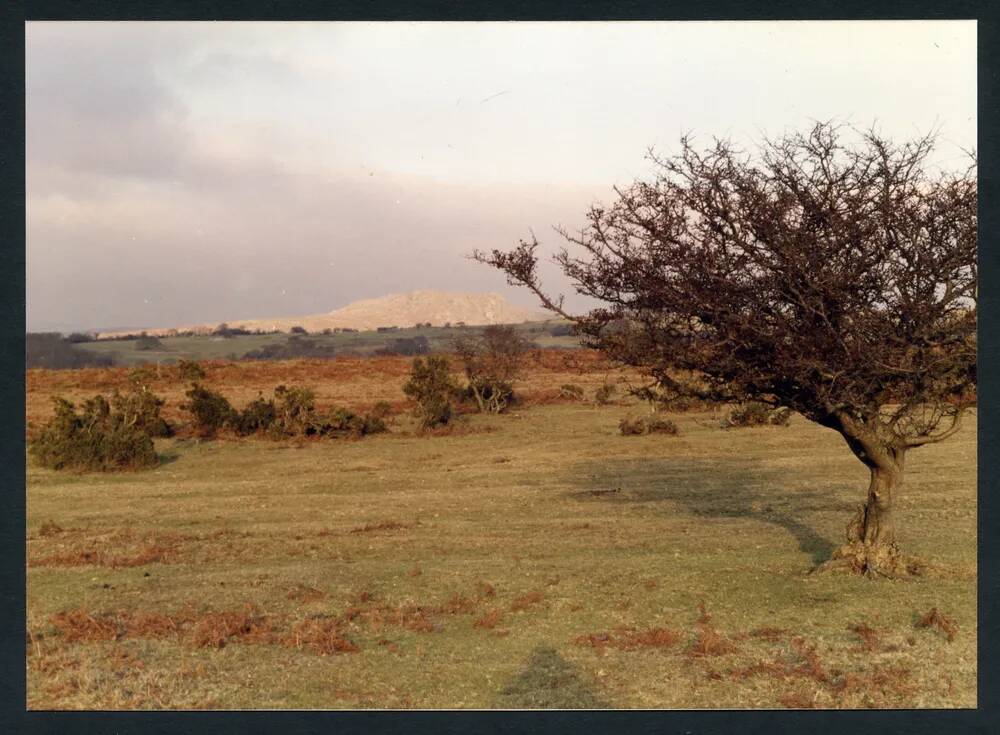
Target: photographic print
[(501, 365)]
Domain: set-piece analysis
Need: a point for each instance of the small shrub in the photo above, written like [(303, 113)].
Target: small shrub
[(755, 413), (298, 330), (571, 392), (256, 417), (295, 412), (381, 410), (341, 422), (431, 387), (604, 394), (933, 619), (210, 410), (492, 361), (98, 439), (139, 408), (647, 425)]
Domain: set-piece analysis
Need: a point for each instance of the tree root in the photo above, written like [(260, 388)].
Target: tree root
[(874, 561)]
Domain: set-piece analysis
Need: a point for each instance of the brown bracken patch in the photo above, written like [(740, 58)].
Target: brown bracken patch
[(709, 641), (525, 601), (490, 620), (80, 625), (50, 528), (934, 619), (304, 593), (381, 526), (320, 635), (768, 633), (630, 640), (216, 630)]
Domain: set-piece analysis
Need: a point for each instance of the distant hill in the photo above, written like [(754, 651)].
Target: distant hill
[(397, 310)]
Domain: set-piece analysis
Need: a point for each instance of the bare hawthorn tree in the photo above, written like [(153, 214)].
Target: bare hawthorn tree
[(492, 362), (836, 278)]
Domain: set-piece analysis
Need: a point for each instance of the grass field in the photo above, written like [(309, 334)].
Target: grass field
[(535, 559)]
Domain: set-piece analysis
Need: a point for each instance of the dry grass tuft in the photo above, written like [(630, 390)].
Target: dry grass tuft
[(320, 635), (458, 605), (709, 641), (525, 601), (485, 590), (934, 619), (382, 526), (797, 700), (768, 633), (50, 528), (304, 593), (490, 620), (871, 641)]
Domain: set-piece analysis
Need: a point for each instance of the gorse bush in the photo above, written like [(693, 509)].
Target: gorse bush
[(295, 411), (139, 408), (431, 387), (570, 391), (604, 394), (755, 413), (289, 414), (100, 438), (647, 425), (209, 409), (256, 417)]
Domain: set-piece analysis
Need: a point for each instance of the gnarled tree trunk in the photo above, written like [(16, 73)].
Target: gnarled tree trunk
[(871, 536), (875, 524)]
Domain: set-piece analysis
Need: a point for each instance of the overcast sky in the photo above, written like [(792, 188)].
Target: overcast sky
[(198, 172)]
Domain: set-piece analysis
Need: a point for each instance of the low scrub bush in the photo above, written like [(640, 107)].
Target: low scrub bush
[(492, 361), (139, 408), (647, 425), (210, 410), (605, 394), (756, 414), (571, 392), (100, 438), (257, 417)]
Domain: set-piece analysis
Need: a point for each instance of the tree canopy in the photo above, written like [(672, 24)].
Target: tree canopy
[(833, 274)]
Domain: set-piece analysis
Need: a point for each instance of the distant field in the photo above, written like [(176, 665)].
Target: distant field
[(536, 559), (207, 347)]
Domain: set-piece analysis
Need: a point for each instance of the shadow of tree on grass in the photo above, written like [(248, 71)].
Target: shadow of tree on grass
[(548, 681), (720, 488)]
